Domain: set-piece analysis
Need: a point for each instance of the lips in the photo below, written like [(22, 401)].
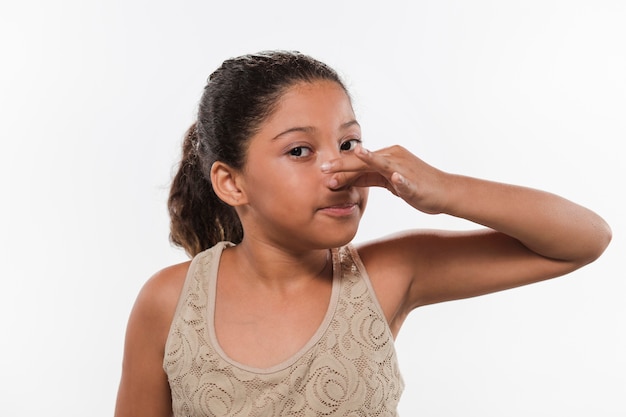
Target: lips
[(341, 209)]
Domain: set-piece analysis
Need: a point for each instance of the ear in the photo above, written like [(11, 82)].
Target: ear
[(226, 184)]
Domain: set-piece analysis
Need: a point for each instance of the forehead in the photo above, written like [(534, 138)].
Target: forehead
[(311, 87), (307, 89), (308, 100)]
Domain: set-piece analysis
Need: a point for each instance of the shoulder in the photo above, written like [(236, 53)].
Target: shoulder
[(158, 298), (143, 387), (395, 263), (163, 288), (390, 263), (414, 251), (396, 251), (167, 281)]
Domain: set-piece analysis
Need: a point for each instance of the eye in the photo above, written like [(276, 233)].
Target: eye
[(349, 145), (300, 151)]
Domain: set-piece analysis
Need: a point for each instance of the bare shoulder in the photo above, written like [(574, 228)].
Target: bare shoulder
[(158, 297), (399, 265), (417, 251), (154, 308), (390, 263), (144, 390), (396, 252)]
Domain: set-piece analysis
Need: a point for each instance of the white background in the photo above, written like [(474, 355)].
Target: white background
[(96, 95)]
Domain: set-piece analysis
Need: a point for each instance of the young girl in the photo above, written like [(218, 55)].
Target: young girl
[(277, 314)]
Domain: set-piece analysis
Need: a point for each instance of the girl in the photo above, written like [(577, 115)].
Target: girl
[(277, 314)]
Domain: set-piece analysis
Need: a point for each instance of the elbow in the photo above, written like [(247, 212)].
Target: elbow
[(607, 235), (597, 245)]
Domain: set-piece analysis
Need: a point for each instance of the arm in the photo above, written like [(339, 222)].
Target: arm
[(144, 388), (532, 235)]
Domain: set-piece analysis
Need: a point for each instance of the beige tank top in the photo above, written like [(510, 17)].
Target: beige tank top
[(348, 368)]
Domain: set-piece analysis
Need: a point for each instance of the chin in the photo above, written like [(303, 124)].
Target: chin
[(338, 237)]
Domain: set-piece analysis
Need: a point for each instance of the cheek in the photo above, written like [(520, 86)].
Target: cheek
[(296, 174), (364, 193), (278, 180)]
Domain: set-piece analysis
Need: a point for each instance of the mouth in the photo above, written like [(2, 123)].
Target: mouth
[(340, 210)]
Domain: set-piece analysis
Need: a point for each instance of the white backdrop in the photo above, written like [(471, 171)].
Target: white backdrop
[(96, 95)]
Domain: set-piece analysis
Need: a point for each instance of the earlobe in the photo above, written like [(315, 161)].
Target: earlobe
[(225, 181)]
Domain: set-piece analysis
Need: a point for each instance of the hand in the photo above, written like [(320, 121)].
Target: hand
[(394, 168)]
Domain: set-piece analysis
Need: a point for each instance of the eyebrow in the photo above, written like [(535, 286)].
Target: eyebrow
[(309, 129)]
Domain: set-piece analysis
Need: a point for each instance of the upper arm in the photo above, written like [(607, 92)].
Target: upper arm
[(144, 388), (467, 264), (426, 267)]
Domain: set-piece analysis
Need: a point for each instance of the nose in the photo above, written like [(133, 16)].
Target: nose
[(325, 157), (328, 154), (336, 179), (329, 178)]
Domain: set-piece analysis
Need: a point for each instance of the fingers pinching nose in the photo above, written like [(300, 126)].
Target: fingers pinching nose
[(362, 151)]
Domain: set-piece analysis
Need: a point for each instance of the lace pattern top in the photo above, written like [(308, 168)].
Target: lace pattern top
[(348, 368)]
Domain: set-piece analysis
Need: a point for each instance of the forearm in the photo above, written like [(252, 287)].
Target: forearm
[(545, 223)]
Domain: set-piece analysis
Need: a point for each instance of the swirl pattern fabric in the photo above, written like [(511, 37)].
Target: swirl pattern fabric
[(349, 368)]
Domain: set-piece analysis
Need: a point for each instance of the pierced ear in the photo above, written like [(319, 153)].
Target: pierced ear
[(225, 181)]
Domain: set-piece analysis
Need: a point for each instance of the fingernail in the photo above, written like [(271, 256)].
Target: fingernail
[(325, 167), (333, 183), (363, 151)]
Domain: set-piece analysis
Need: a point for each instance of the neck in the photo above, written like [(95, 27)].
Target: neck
[(279, 268)]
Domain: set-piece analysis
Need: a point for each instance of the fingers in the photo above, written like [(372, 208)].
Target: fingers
[(394, 168), (362, 168), (347, 163), (379, 161), (365, 161), (356, 179)]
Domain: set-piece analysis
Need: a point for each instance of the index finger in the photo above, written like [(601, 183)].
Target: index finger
[(377, 161), (348, 163)]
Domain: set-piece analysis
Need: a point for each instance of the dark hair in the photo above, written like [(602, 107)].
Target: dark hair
[(238, 97)]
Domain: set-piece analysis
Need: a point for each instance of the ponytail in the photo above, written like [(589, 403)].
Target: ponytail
[(198, 218)]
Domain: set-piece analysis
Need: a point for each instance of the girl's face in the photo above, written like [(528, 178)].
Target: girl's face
[(288, 201)]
